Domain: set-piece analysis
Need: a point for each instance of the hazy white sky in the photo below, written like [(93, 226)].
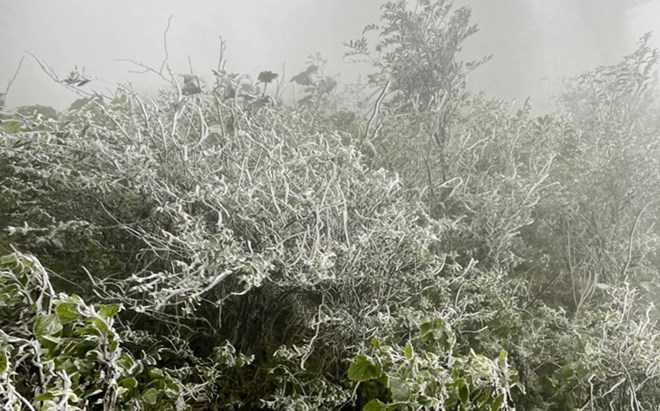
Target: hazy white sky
[(534, 42)]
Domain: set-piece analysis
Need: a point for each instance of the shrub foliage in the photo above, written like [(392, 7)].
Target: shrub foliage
[(213, 247)]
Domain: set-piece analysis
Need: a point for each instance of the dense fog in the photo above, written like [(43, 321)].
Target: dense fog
[(535, 44)]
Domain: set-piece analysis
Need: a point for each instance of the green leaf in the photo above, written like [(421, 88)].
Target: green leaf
[(4, 362), (47, 324), (464, 393), (113, 343), (8, 259), (150, 396), (88, 330), (100, 325), (566, 371), (128, 382), (409, 351), (432, 329), (49, 341), (43, 397), (126, 362), (399, 389), (497, 404), (172, 390), (108, 311), (503, 358), (374, 405), (156, 373), (363, 369), (67, 312)]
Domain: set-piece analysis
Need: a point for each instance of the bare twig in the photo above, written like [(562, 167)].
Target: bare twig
[(190, 66), (165, 63), (310, 346), (375, 112), (50, 72), (221, 55), (626, 265), (280, 82), (11, 81)]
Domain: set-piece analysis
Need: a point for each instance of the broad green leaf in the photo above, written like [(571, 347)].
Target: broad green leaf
[(374, 405), (108, 311), (67, 312), (399, 389), (101, 325), (363, 369), (126, 362), (150, 396), (156, 373), (172, 390), (128, 382), (158, 384), (47, 324)]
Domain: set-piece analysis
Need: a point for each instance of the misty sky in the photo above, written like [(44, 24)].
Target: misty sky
[(535, 43)]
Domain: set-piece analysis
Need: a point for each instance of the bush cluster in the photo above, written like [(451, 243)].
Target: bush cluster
[(213, 247)]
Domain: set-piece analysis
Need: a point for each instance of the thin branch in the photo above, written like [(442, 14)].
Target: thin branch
[(50, 72), (167, 54), (280, 82), (626, 265), (13, 78), (145, 68), (375, 112), (148, 69), (221, 55), (542, 291), (190, 65), (46, 68)]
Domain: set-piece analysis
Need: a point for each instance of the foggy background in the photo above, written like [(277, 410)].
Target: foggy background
[(534, 43)]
